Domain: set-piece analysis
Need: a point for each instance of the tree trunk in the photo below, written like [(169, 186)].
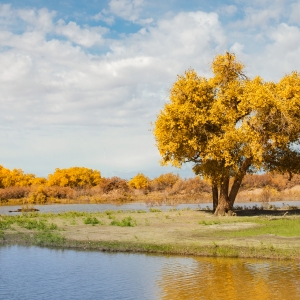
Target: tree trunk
[(224, 203), (226, 199), (238, 180), (215, 194)]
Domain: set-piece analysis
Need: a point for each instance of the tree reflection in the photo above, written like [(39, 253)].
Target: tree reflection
[(223, 278)]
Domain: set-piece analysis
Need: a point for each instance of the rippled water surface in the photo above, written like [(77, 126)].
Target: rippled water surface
[(41, 273)]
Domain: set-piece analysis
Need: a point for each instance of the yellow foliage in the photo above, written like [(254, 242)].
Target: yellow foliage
[(229, 124), (38, 181), (16, 177), (37, 196), (139, 181), (74, 177)]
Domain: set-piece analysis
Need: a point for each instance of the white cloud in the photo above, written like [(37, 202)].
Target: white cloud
[(86, 37), (6, 14), (37, 20), (276, 56), (192, 37), (77, 106), (281, 55), (104, 16), (237, 48), (126, 9), (295, 13), (260, 15), (52, 83), (129, 10), (229, 10)]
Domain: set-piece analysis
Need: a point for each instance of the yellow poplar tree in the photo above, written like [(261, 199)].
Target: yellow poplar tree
[(230, 125), (74, 177), (17, 177), (139, 181)]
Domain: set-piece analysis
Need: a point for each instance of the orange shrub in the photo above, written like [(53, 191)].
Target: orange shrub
[(274, 180), (14, 192), (114, 183), (256, 181), (194, 185), (59, 192), (164, 181)]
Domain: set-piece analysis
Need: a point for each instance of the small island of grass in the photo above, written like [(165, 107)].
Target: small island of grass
[(261, 234)]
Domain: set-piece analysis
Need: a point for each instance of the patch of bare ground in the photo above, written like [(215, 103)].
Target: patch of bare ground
[(232, 226)]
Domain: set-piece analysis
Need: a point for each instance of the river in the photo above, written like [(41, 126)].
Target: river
[(42, 273), (58, 208)]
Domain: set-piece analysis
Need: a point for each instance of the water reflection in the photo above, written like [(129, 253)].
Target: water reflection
[(222, 278), (41, 273)]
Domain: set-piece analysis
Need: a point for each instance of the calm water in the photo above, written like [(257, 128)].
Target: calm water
[(41, 273), (57, 208)]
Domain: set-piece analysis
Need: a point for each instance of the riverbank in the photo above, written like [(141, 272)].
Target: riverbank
[(269, 234)]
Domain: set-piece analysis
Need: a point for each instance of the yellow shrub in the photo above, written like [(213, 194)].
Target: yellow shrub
[(139, 181), (74, 177), (16, 177), (37, 196), (38, 181)]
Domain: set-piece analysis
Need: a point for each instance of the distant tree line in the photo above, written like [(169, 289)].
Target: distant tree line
[(80, 182)]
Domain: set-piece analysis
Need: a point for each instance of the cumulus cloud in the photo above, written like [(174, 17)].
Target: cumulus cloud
[(193, 37), (86, 37), (54, 82), (75, 86), (37, 20), (280, 55)]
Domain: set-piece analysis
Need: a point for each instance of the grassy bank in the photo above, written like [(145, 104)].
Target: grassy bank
[(183, 232)]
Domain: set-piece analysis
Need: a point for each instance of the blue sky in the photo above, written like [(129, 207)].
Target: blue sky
[(81, 81)]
